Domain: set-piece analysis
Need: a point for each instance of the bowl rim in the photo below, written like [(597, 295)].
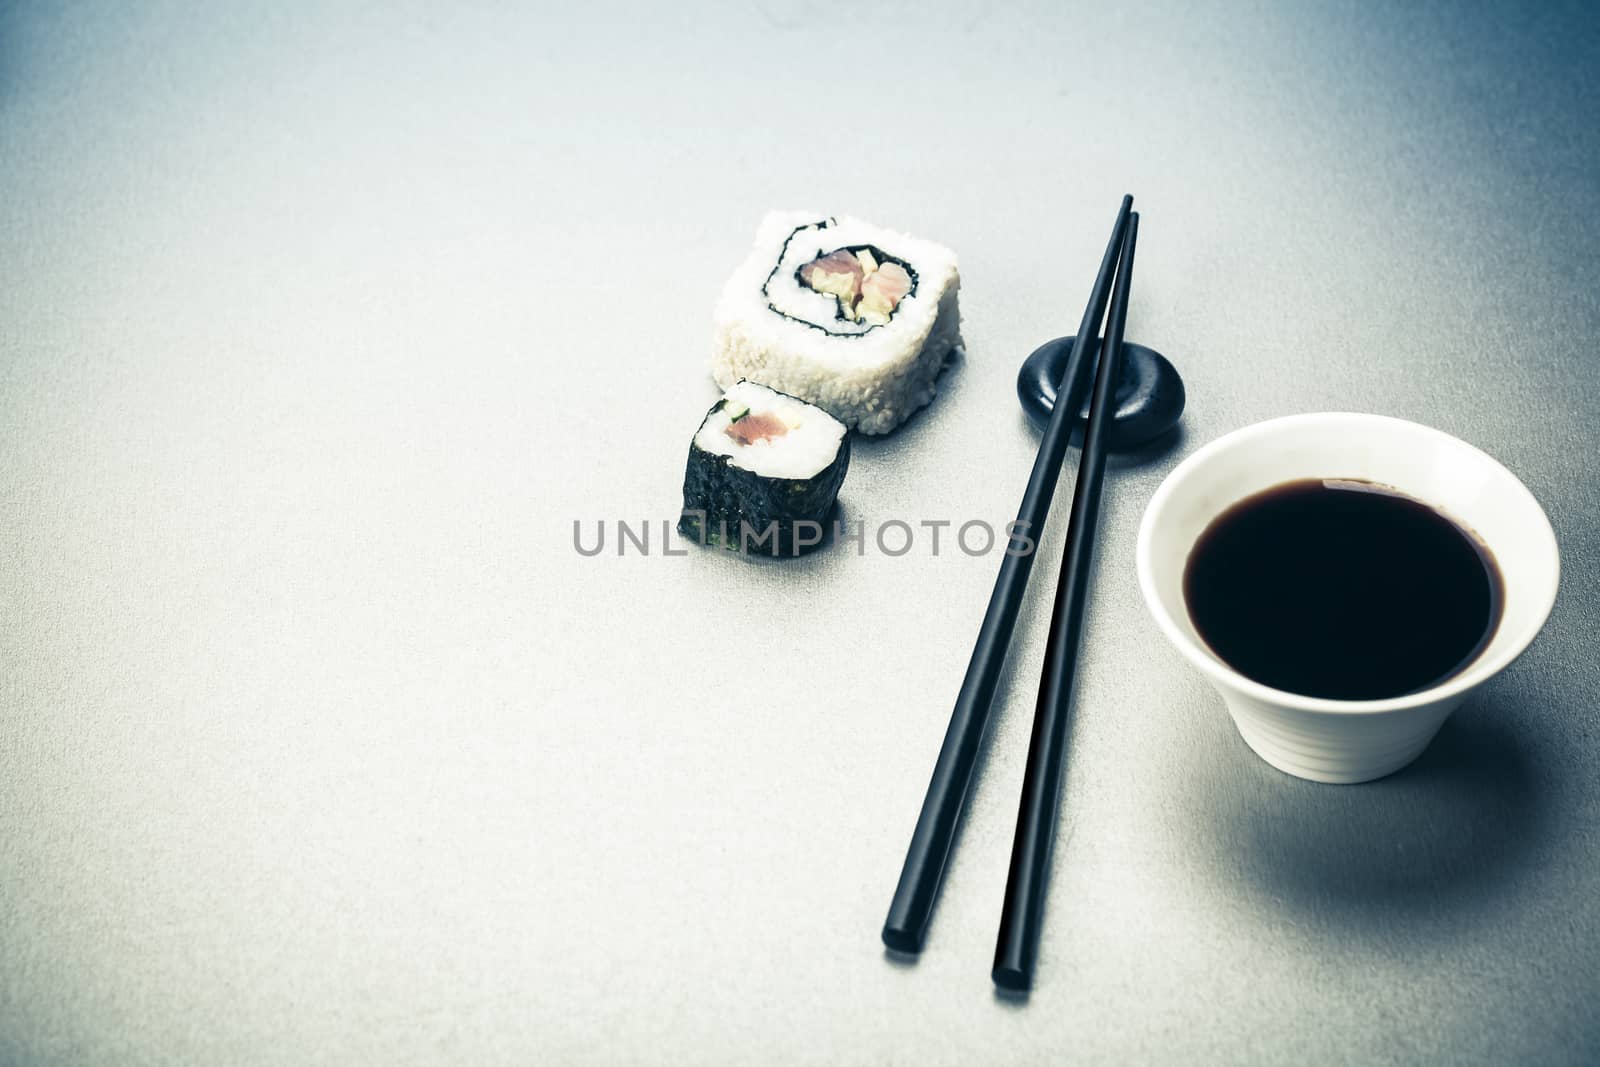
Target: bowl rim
[(1480, 671)]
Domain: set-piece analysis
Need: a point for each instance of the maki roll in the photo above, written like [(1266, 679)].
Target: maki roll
[(851, 317), (764, 471)]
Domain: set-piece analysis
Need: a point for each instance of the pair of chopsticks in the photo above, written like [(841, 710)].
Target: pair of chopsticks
[(1021, 919)]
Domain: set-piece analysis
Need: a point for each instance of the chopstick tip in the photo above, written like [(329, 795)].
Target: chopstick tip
[(1012, 980), (901, 942)]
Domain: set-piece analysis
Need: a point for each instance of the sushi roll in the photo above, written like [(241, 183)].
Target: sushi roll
[(764, 471), (851, 317)]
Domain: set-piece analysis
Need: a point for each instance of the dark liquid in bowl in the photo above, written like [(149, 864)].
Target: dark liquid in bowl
[(1342, 589)]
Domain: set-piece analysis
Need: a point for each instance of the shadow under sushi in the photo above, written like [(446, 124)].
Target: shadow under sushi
[(837, 520)]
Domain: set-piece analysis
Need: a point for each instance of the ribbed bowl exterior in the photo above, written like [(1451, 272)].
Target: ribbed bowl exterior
[(1336, 747)]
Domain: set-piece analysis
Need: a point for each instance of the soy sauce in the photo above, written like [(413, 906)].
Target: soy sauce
[(1343, 589)]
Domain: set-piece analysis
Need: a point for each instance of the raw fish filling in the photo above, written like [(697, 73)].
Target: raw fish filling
[(748, 428), (867, 286)]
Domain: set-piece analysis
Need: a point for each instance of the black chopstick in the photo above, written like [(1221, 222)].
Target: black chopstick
[(907, 924), (1017, 948)]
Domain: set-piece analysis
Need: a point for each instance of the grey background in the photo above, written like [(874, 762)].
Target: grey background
[(320, 326)]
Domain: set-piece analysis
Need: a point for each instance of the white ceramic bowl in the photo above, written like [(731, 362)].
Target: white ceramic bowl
[(1348, 740)]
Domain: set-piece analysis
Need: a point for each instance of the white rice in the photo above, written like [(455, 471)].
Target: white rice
[(871, 378), (811, 444)]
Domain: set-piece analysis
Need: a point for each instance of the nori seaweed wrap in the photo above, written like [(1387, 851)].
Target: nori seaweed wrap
[(763, 473)]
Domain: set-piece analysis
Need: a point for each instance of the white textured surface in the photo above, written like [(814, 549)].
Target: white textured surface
[(319, 743)]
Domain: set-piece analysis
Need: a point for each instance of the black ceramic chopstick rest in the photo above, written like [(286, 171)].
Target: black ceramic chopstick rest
[(1149, 397)]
